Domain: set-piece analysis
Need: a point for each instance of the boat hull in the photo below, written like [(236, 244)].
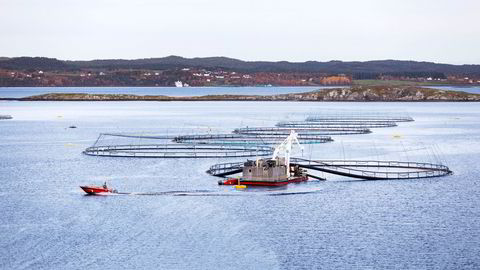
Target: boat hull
[(92, 190), (247, 182)]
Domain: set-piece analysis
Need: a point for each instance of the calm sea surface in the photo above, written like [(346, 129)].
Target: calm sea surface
[(17, 92), (468, 89), (48, 223)]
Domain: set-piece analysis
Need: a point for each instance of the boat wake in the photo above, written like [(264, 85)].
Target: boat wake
[(212, 193)]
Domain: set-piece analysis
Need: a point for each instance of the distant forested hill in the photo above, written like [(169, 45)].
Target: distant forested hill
[(393, 67), (26, 63)]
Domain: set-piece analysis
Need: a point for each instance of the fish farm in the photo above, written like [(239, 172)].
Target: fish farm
[(261, 141), (242, 142)]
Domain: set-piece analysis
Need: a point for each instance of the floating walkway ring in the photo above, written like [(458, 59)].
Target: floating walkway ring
[(246, 139), (301, 131), (371, 118), (178, 151), (344, 124), (139, 136), (353, 169)]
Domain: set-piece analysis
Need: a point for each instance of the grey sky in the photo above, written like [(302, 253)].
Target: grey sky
[(445, 31)]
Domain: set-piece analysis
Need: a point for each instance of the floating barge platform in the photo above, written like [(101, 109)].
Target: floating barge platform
[(267, 172)]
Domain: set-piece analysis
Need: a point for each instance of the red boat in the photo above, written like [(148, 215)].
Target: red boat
[(94, 190)]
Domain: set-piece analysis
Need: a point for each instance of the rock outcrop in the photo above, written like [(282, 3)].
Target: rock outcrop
[(355, 93)]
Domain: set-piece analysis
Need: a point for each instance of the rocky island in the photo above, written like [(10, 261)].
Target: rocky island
[(354, 93)]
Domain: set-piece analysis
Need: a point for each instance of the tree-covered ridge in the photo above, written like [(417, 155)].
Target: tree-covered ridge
[(360, 69)]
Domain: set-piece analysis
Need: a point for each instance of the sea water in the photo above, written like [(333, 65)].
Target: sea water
[(48, 223), (18, 92)]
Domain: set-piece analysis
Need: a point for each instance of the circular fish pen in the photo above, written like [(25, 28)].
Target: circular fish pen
[(178, 151), (161, 146), (124, 135), (333, 124), (190, 146), (242, 139), (362, 118), (359, 169), (302, 131)]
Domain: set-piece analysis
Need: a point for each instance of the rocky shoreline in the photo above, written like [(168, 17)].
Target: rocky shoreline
[(355, 93)]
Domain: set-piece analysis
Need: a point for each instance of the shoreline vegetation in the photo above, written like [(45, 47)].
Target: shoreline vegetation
[(358, 93)]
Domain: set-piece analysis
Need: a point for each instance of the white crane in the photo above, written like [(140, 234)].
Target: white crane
[(285, 148)]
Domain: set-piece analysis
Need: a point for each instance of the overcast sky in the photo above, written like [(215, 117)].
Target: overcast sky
[(445, 31)]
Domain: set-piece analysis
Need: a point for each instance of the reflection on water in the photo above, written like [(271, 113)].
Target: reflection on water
[(189, 222)]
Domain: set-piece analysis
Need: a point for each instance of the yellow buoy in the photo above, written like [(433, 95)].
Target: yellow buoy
[(240, 186)]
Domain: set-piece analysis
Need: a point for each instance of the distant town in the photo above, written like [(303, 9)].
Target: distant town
[(172, 77), (176, 71)]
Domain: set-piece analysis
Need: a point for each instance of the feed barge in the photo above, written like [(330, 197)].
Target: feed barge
[(276, 171), (267, 172)]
